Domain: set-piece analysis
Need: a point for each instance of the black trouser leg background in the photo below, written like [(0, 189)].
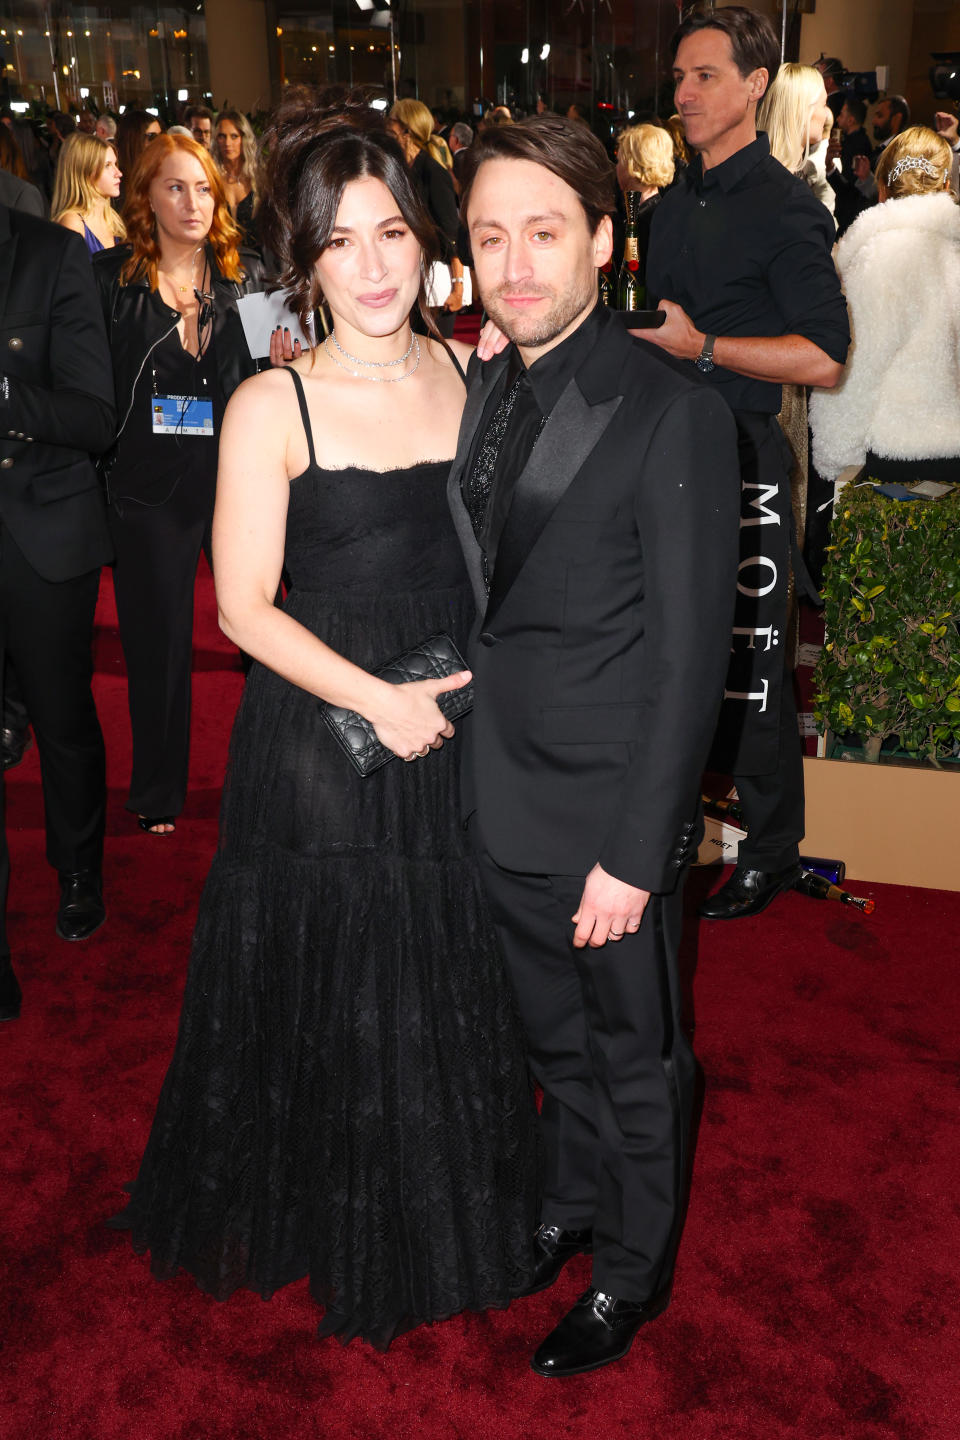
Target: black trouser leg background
[(13, 711), (773, 805), (4, 852), (157, 549), (49, 639)]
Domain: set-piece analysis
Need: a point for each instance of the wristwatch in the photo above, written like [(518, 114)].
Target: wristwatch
[(704, 361)]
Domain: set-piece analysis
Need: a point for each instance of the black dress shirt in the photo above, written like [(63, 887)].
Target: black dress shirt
[(745, 249), (535, 391)]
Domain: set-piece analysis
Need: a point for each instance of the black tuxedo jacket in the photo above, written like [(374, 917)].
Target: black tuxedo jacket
[(56, 398), (601, 651)]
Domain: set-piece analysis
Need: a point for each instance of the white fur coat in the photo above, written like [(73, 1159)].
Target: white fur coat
[(900, 394)]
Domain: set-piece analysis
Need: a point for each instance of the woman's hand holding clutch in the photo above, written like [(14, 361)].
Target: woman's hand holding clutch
[(410, 722)]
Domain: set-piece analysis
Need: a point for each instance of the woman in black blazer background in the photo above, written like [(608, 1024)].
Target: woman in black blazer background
[(170, 302)]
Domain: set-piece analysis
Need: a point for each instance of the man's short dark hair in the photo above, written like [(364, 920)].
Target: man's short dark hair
[(831, 65), (856, 108), (197, 112), (753, 39), (899, 106), (567, 148)]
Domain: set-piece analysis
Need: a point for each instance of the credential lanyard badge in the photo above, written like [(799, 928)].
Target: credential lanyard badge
[(182, 415)]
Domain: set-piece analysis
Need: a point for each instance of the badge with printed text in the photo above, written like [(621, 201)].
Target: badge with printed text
[(181, 415)]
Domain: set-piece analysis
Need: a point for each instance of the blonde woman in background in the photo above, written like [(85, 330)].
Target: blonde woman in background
[(795, 114), (645, 164), (412, 124), (87, 181), (235, 150), (896, 409)]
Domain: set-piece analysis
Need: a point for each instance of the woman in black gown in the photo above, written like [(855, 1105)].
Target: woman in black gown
[(348, 1099)]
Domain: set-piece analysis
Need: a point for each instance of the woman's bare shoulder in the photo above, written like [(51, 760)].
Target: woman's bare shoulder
[(463, 351), (72, 220), (441, 353)]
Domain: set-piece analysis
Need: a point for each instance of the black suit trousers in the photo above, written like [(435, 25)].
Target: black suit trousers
[(773, 803), (47, 630), (157, 548), (616, 1068)]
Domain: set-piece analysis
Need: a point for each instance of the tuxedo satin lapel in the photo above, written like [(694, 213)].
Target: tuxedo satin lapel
[(8, 254), (572, 432), (479, 391)]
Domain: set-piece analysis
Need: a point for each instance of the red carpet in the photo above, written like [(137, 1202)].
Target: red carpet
[(816, 1293)]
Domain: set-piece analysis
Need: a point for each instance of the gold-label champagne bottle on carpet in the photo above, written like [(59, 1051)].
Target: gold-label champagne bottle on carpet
[(818, 887), (606, 284), (632, 290)]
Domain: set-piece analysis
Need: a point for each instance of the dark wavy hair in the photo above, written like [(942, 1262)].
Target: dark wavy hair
[(317, 143), (131, 138), (567, 148)]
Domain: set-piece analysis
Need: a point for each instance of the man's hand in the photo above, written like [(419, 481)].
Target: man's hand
[(861, 166), (677, 335), (608, 909)]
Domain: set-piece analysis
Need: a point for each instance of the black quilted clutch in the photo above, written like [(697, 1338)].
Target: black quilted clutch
[(434, 659)]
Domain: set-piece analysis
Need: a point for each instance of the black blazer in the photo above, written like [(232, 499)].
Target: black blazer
[(56, 398), (138, 318), (21, 195), (601, 654)]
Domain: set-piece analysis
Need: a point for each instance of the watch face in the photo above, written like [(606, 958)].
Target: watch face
[(704, 364)]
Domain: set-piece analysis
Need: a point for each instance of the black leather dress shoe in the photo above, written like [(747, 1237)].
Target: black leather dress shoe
[(13, 746), (553, 1247), (9, 990), (598, 1330), (81, 905), (747, 892)]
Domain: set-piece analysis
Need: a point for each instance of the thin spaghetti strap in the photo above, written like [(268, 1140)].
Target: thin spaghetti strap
[(304, 414), (457, 366)]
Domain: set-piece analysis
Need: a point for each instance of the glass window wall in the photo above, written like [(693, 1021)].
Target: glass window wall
[(66, 56)]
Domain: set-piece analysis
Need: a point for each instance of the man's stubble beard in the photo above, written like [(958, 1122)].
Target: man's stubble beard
[(533, 332)]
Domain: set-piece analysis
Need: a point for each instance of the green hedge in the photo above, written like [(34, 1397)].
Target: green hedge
[(891, 664)]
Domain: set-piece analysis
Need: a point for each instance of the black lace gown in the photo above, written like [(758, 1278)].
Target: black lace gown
[(348, 1098)]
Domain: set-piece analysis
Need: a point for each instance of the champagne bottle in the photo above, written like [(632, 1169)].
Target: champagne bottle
[(833, 870), (633, 292), (730, 810), (606, 284), (818, 887)]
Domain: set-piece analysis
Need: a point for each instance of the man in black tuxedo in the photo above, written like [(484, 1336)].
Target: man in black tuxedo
[(595, 494), (56, 408)]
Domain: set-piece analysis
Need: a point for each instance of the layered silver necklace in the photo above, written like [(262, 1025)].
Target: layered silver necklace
[(374, 364)]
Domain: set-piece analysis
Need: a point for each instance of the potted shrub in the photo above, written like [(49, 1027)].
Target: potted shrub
[(891, 662)]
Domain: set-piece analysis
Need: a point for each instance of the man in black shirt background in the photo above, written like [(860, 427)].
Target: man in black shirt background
[(841, 154), (740, 258), (832, 70)]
